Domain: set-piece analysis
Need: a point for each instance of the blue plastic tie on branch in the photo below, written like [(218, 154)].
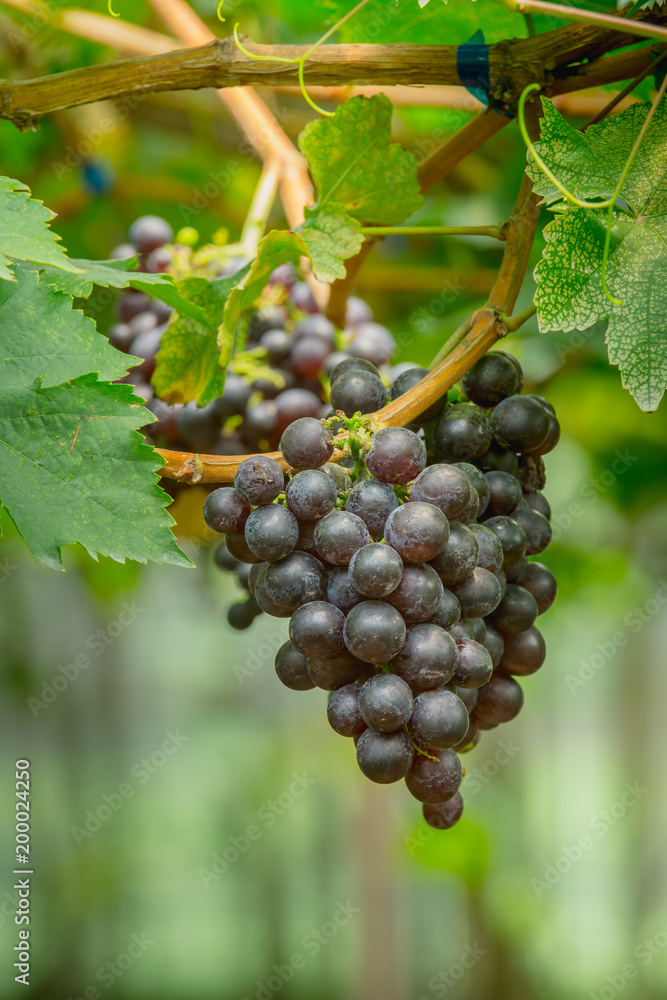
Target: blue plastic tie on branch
[(472, 66)]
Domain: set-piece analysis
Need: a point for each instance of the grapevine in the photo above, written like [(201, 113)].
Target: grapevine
[(392, 514)]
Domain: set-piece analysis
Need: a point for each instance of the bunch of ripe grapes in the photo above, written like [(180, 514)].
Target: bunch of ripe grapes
[(402, 559), (282, 373)]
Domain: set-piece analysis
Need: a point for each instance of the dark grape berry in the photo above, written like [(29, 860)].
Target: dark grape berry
[(495, 643), (291, 668), (505, 493), (343, 711), (295, 580), (541, 583), (490, 551), (515, 572), (333, 672), (517, 611), (259, 480), (376, 570), (435, 781), (459, 556), (373, 502), (351, 365), (271, 532), (462, 433), (417, 595), (373, 342), (428, 657), (474, 666), (384, 757), (311, 495), (520, 423), (316, 629), (448, 612), (239, 548), (150, 232), (479, 594), (439, 719), (341, 589), (417, 531), (445, 486), (223, 557), (408, 380), (240, 616), (500, 700), (511, 536), (445, 815), (523, 652), (385, 702), (306, 444), (479, 481), (536, 527), (339, 535), (537, 501), (491, 379), (358, 392), (397, 455), (374, 631)]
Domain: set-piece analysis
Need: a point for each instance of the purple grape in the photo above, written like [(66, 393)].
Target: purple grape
[(316, 629), (459, 556), (418, 594), (541, 583), (297, 579), (373, 502), (384, 757), (385, 702), (343, 711), (376, 570), (225, 511), (306, 444), (333, 672), (259, 480), (291, 668), (342, 591), (374, 632), (474, 666), (311, 495), (445, 486), (479, 594), (444, 815), (418, 531), (435, 781), (339, 535), (397, 455), (427, 658), (439, 719)]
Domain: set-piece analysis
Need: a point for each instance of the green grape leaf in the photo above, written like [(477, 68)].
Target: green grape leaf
[(445, 24), (354, 164), (331, 236), (569, 292), (280, 246), (74, 469), (42, 335), (187, 365), (122, 274), (25, 232)]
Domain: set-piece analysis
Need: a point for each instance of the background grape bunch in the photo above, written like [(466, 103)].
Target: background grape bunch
[(281, 374), (405, 567)]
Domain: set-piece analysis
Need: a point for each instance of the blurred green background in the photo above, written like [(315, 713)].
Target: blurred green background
[(238, 852)]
